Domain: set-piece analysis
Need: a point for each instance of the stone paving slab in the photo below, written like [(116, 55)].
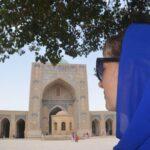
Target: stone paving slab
[(97, 143)]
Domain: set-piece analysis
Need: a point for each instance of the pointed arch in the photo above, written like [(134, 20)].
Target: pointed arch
[(63, 126), (57, 106), (96, 127), (61, 82), (53, 111), (20, 128), (5, 128), (108, 126)]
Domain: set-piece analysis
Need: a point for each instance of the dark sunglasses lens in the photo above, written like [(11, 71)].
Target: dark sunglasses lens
[(99, 69), (99, 65)]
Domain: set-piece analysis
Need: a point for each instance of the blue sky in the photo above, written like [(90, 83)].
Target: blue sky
[(15, 81)]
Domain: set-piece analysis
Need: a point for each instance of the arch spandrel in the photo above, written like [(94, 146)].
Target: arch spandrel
[(57, 106), (108, 116)]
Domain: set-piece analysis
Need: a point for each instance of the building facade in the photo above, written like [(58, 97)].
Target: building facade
[(58, 106)]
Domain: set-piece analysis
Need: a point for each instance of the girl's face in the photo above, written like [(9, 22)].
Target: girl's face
[(109, 84)]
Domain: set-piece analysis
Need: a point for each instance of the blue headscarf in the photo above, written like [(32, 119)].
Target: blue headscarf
[(133, 95)]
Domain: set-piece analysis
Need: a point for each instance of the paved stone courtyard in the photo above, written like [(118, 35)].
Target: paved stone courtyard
[(95, 143)]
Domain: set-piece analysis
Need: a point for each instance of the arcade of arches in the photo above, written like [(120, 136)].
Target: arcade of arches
[(96, 127), (12, 125), (58, 106)]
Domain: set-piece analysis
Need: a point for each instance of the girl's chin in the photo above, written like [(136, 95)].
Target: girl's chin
[(109, 108)]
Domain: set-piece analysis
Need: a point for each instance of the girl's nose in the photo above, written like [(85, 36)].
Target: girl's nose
[(100, 84)]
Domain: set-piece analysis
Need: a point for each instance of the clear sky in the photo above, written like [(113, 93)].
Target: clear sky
[(15, 81)]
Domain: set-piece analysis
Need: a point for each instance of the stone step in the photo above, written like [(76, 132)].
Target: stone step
[(57, 137)]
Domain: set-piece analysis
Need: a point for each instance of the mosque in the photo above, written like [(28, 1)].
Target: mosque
[(58, 106)]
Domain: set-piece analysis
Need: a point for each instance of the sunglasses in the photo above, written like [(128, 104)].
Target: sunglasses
[(99, 65)]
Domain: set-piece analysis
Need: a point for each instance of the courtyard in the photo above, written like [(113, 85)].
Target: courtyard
[(93, 143)]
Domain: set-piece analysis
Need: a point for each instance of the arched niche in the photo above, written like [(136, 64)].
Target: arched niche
[(5, 128), (58, 90), (95, 127), (20, 128), (108, 126), (54, 111)]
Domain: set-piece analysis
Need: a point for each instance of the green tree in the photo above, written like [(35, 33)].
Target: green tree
[(71, 27)]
